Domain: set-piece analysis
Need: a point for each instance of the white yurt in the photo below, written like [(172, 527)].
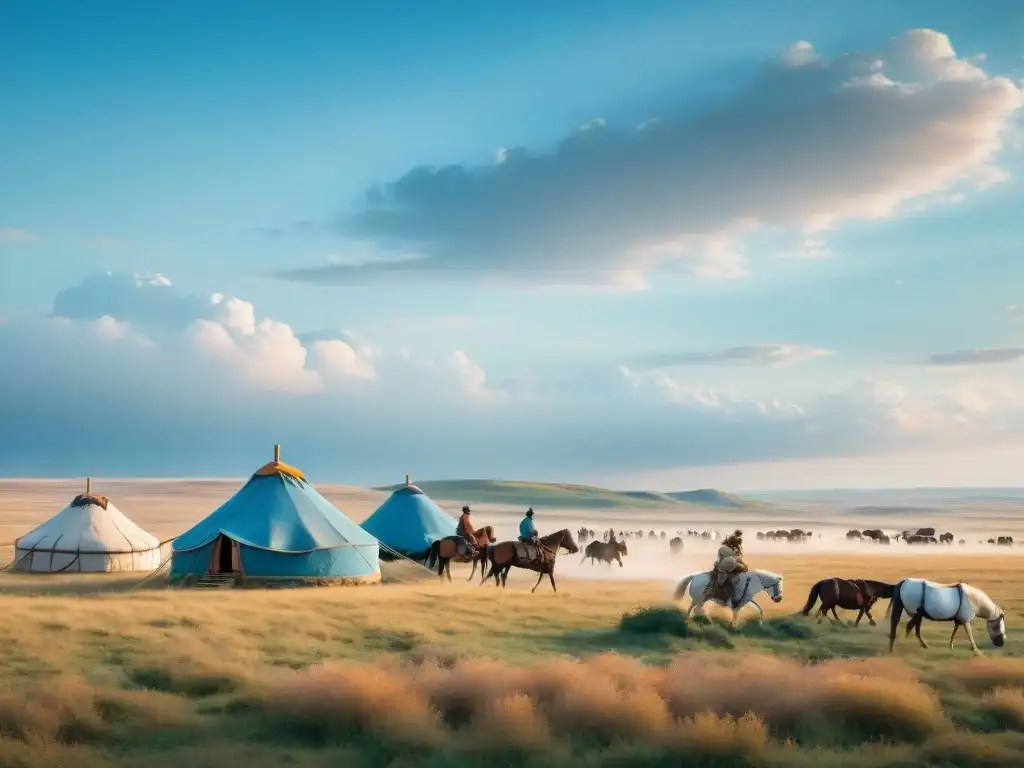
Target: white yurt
[(90, 535)]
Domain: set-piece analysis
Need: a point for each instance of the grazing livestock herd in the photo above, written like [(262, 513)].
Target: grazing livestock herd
[(675, 544), (920, 536), (793, 536)]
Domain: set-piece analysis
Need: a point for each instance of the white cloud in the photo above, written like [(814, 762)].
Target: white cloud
[(471, 378), (267, 356), (231, 377), (336, 360), (234, 313), (811, 144)]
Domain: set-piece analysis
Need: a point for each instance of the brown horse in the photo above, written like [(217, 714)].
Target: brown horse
[(851, 594), (443, 551), (605, 551), (529, 556)]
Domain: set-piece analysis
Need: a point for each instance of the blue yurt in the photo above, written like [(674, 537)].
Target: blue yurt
[(409, 522), (276, 528)]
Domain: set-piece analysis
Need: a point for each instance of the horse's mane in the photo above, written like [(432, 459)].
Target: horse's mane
[(768, 574), (982, 600)]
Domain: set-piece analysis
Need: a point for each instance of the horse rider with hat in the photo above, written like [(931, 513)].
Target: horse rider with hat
[(728, 566), (465, 530), (527, 529)]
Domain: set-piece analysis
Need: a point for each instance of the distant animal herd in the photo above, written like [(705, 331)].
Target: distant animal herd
[(791, 536), (920, 536)]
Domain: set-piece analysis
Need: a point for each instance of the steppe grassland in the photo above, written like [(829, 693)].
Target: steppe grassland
[(418, 673)]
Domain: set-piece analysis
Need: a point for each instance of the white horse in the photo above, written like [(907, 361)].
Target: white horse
[(745, 588), (959, 603)]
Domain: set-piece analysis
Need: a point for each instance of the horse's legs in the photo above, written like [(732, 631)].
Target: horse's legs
[(735, 616), (448, 570), (698, 608), (970, 636), (917, 631), (867, 611), (956, 628), (504, 576), (760, 612), (836, 615), (492, 571), (440, 567), (537, 584), (822, 614), (894, 622), (473, 572), (551, 578), (619, 558)]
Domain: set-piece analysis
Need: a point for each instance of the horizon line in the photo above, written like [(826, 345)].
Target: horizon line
[(752, 491)]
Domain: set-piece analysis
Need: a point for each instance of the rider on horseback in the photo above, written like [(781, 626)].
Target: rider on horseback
[(465, 530), (727, 567), (527, 530)]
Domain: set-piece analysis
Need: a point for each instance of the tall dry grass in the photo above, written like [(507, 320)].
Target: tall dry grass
[(695, 703), (701, 709)]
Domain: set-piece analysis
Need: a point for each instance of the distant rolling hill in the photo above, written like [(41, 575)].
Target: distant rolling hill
[(519, 493)]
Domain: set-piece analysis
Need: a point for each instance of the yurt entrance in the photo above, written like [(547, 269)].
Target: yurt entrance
[(224, 559)]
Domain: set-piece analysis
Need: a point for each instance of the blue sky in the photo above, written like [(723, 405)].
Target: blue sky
[(645, 243)]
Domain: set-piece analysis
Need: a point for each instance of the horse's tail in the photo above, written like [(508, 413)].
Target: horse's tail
[(896, 610), (433, 554), (895, 598), (682, 587), (812, 598)]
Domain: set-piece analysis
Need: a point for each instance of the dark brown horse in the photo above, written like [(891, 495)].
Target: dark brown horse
[(851, 594), (539, 558), (443, 551), (605, 551)]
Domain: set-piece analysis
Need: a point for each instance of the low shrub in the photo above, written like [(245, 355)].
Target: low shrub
[(655, 620)]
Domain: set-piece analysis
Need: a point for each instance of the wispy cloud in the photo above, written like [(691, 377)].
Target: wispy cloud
[(752, 354), (984, 356)]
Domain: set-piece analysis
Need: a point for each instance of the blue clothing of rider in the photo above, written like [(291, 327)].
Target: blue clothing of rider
[(527, 530)]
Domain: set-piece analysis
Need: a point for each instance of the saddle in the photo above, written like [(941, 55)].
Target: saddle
[(462, 546), (723, 592), (533, 556)]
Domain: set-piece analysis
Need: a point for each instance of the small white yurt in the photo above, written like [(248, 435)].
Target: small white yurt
[(90, 535)]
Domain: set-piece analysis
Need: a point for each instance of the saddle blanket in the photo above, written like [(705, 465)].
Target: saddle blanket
[(532, 555), (938, 602), (461, 545)]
